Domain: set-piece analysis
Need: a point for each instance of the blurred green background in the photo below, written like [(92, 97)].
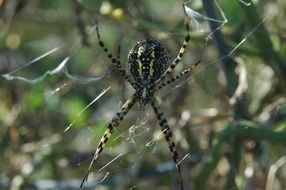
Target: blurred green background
[(228, 118)]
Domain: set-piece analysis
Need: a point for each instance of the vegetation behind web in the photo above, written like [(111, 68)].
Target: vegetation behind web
[(228, 118)]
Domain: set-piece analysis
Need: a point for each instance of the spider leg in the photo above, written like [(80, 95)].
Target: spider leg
[(169, 137), (115, 61), (108, 132), (121, 70), (175, 78), (181, 52)]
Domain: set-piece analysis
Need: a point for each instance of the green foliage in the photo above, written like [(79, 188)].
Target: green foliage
[(229, 116)]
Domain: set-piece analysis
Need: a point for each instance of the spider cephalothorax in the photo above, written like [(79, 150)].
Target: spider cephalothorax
[(147, 61), (149, 69)]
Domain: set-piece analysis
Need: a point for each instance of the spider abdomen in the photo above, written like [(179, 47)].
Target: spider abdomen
[(147, 61)]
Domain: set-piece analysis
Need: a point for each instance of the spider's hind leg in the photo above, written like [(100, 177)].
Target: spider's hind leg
[(119, 116), (165, 128)]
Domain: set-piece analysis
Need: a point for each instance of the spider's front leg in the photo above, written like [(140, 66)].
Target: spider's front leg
[(165, 128), (115, 61), (177, 77), (108, 132), (181, 52)]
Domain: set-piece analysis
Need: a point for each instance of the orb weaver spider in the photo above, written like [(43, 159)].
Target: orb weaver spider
[(148, 67)]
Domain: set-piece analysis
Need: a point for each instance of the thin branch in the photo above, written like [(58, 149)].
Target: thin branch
[(80, 23)]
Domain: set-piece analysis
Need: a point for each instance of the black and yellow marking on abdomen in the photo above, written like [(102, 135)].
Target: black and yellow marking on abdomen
[(147, 60)]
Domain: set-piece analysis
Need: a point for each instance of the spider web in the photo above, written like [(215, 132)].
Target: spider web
[(138, 136)]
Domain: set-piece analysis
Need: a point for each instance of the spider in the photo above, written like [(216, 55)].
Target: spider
[(148, 68)]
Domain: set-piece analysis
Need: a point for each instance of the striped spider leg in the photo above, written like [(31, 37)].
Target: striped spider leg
[(177, 77), (181, 52), (115, 61), (108, 132), (165, 128)]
